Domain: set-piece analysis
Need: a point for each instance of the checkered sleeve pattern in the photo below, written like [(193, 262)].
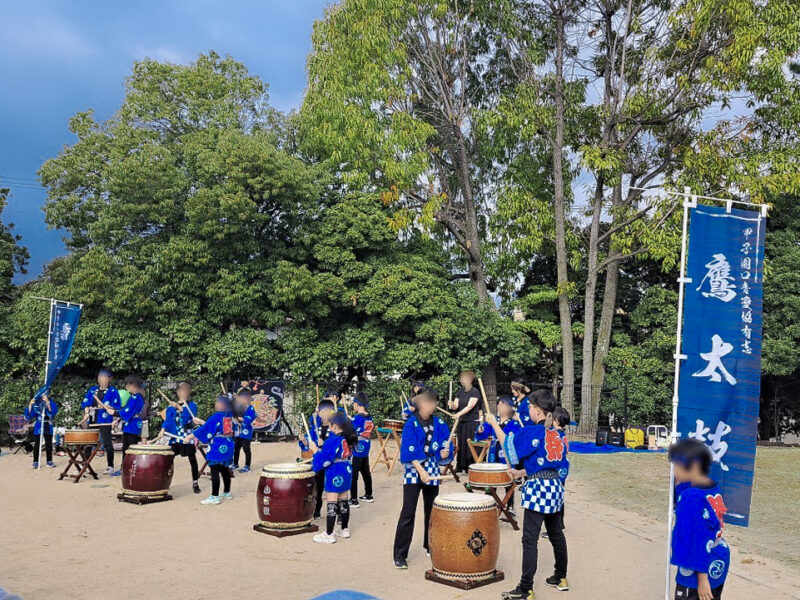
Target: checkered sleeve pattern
[(544, 496), (411, 476)]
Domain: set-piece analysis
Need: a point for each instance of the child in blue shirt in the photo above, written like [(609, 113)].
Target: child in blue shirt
[(217, 431), (541, 451), (334, 459), (319, 429), (100, 404), (408, 405), (509, 423), (520, 391), (179, 421), (246, 414), (42, 411), (698, 549), (131, 413), (424, 443), (363, 425)]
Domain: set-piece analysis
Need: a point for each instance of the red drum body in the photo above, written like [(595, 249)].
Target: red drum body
[(464, 537), (485, 475), (285, 497), (395, 424), (147, 471)]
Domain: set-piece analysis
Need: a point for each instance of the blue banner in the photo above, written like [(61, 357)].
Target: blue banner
[(64, 320), (720, 377)]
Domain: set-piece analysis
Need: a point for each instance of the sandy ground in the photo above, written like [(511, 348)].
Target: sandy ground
[(63, 540)]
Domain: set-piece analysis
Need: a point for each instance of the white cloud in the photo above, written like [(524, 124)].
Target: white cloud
[(162, 54)]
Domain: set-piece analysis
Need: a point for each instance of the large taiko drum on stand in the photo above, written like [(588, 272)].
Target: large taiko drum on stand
[(81, 437), (147, 472), (285, 497), (464, 537), (486, 475), (395, 424)]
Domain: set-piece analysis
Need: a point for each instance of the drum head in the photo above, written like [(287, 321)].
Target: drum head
[(278, 469), (151, 449), (489, 467), (464, 502)]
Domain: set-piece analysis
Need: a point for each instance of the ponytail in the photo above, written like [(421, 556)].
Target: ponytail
[(348, 431)]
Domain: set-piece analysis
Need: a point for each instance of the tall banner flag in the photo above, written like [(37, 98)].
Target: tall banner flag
[(64, 318), (720, 375)]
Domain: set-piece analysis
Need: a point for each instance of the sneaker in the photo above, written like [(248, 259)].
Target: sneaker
[(400, 563), (235, 468), (51, 464), (116, 473), (244, 469), (108, 470), (512, 512), (342, 533), (211, 500), (226, 496), (35, 465), (560, 583), (519, 593), (317, 515), (354, 503), (195, 487), (324, 538), (366, 498)]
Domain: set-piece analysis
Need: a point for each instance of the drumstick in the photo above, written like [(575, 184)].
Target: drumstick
[(448, 413), (308, 433), (450, 397), (222, 385), (439, 477), (316, 385), (483, 394)]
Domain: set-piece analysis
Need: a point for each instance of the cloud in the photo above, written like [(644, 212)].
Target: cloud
[(43, 37), (163, 54)]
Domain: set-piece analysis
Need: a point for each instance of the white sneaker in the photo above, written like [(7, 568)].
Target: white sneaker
[(226, 496), (109, 470), (342, 533), (211, 500), (324, 538)]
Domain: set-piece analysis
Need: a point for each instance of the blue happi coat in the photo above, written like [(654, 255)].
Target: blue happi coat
[(131, 414), (34, 414), (697, 542), (172, 424), (319, 432), (217, 432), (424, 444), (186, 418), (364, 425), (523, 410), (110, 399), (335, 458), (495, 454), (541, 451), (244, 428)]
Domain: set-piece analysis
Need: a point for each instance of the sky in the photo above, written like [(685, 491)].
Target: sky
[(58, 58)]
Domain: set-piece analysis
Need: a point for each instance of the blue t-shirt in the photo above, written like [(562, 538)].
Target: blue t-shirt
[(697, 543)]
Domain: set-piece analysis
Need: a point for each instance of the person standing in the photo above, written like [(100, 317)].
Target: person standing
[(245, 415), (363, 425), (41, 412), (131, 413), (100, 405), (466, 405)]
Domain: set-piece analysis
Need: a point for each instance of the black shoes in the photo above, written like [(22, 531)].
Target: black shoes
[(196, 487), (399, 563), (366, 498), (560, 583), (519, 593)]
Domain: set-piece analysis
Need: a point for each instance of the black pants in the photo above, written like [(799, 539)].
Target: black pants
[(684, 593), (466, 431), (320, 481), (405, 524), (48, 446), (531, 528), (361, 466), (239, 444), (225, 472), (108, 444), (129, 439), (188, 450)]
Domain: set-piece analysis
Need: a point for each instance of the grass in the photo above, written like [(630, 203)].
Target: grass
[(638, 482)]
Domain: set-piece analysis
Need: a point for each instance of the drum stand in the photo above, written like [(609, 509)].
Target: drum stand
[(383, 458), (478, 457), (502, 503), (123, 497), (82, 464), (281, 533), (465, 584)]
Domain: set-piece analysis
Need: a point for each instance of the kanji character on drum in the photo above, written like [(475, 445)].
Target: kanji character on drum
[(42, 411), (99, 405), (541, 450), (363, 425), (468, 411), (335, 460), (131, 413), (520, 391), (424, 444), (179, 420), (509, 425), (319, 429), (217, 431), (245, 415), (698, 549)]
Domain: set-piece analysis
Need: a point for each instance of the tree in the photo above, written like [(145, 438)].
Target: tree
[(13, 260)]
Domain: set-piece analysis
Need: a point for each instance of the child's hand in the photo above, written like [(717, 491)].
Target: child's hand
[(517, 473), (445, 452), (197, 421), (424, 477), (312, 445), (491, 419), (703, 587)]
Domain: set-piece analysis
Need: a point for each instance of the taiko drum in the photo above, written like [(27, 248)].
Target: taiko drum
[(487, 475), (395, 424), (147, 470), (464, 537), (286, 496), (81, 437)]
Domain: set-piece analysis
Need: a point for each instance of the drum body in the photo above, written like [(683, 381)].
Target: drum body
[(395, 424), (81, 437), (489, 475), (464, 536), (285, 497), (147, 470)]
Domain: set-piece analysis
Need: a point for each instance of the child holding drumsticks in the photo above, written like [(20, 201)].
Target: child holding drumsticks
[(218, 431)]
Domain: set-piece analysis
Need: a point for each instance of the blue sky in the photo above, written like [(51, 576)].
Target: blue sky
[(58, 58)]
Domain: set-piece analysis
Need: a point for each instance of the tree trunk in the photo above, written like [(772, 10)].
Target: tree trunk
[(564, 288)]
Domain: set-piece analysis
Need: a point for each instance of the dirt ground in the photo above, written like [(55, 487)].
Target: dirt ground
[(63, 540)]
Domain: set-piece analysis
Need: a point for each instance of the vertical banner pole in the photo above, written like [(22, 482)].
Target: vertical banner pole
[(46, 374), (682, 281)]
